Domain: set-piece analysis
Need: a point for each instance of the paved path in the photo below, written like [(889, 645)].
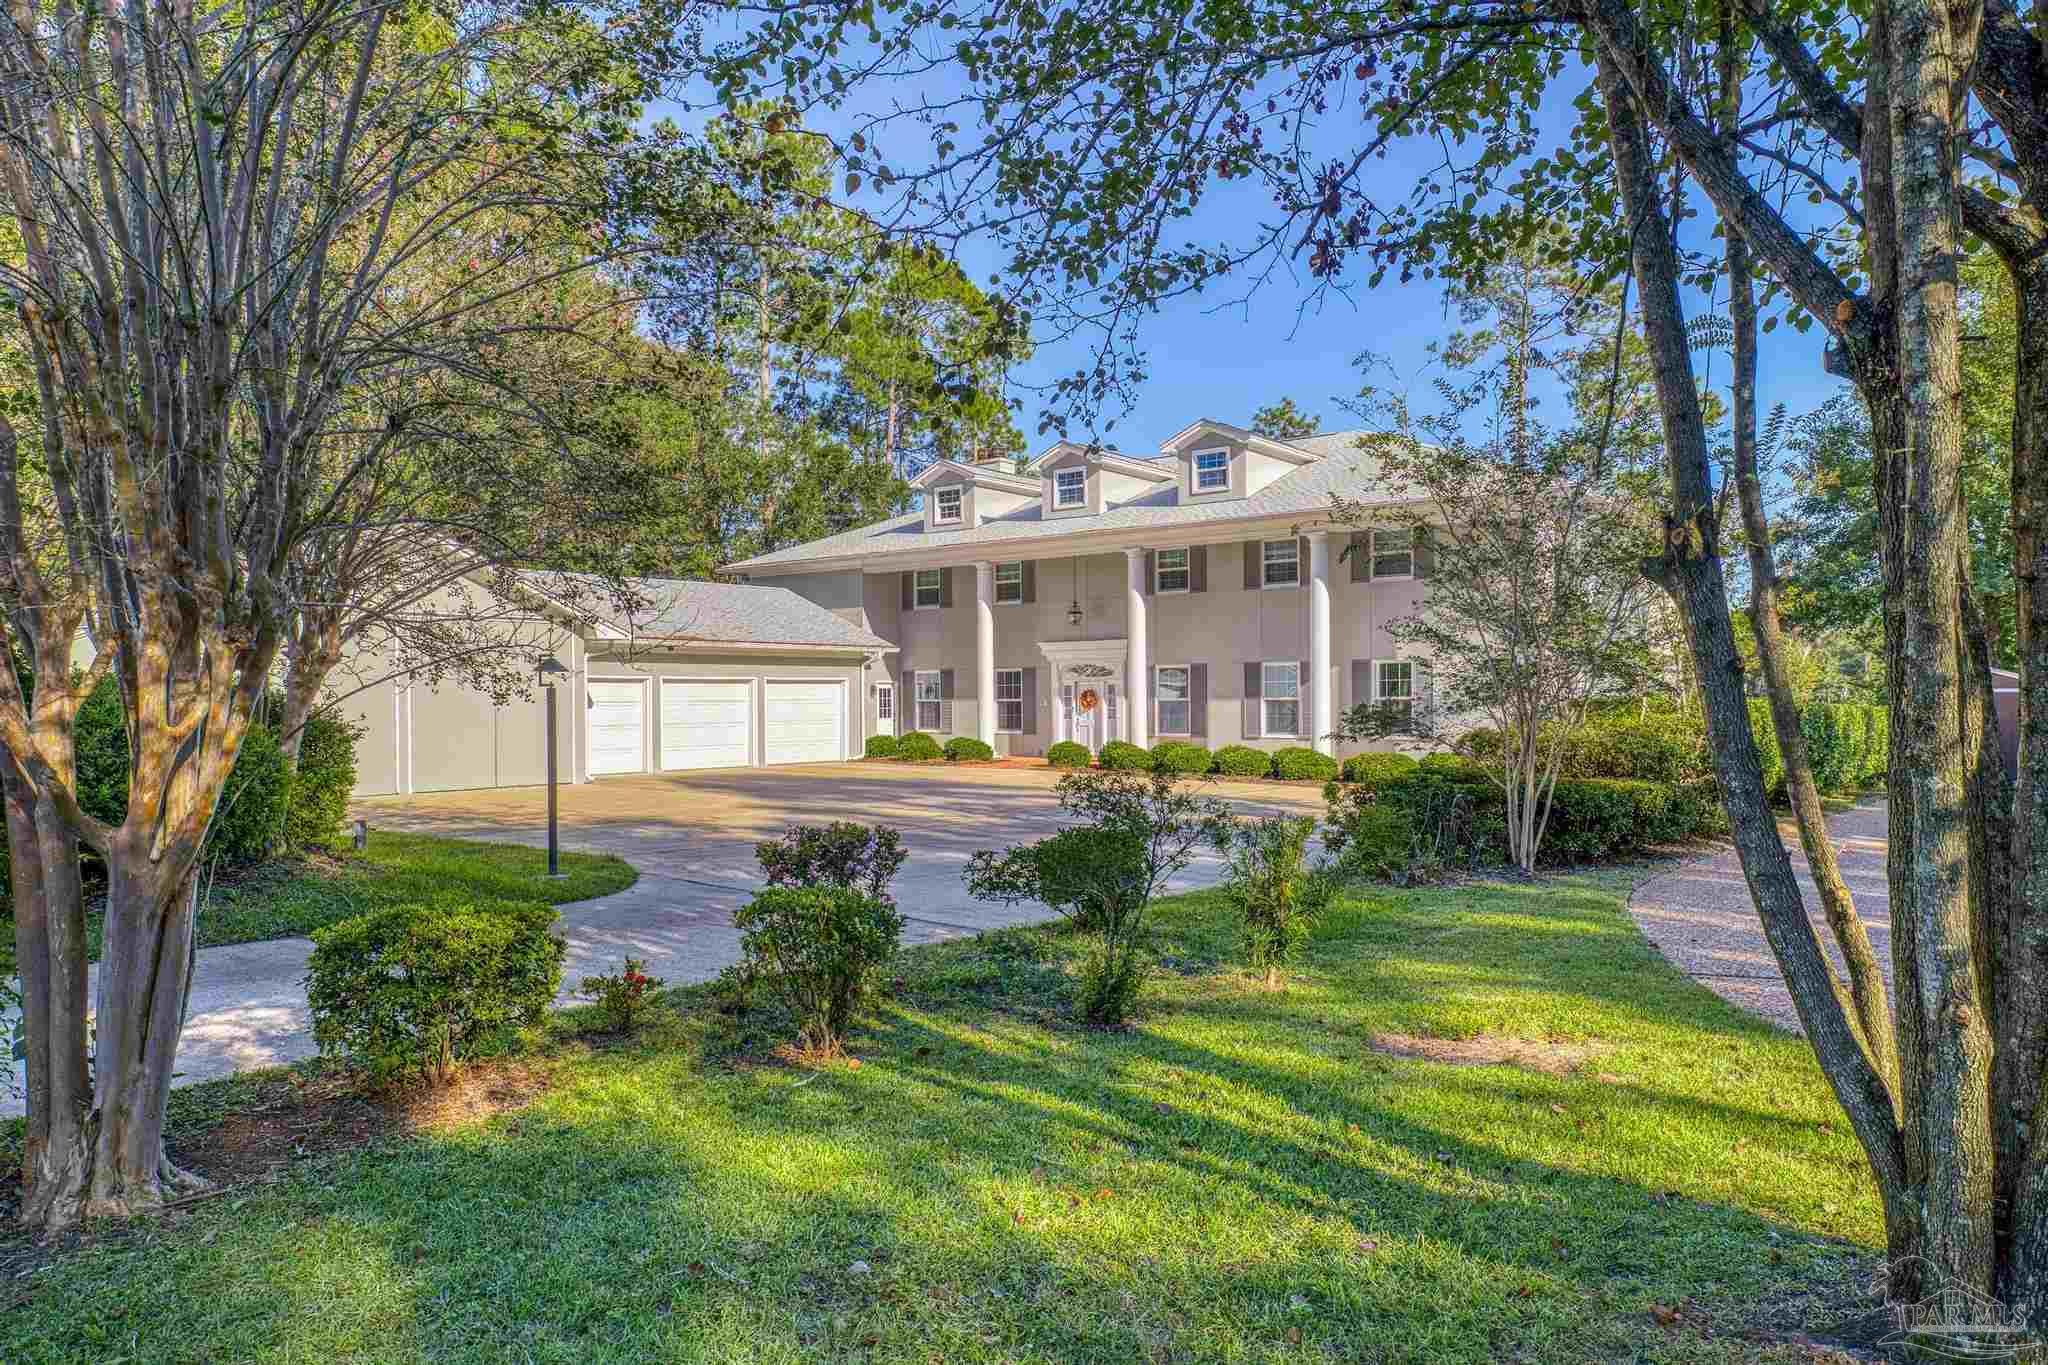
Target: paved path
[(692, 837), (1701, 917)]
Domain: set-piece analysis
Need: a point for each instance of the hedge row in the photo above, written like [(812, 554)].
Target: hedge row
[(1846, 741), (1462, 814), (919, 747), (1294, 763)]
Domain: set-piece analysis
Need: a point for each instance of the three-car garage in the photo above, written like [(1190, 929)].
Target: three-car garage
[(669, 724)]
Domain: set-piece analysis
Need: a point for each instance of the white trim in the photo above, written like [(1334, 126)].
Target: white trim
[(1059, 503), (1265, 563), (1195, 488), (845, 713), (1372, 573), (990, 475), (1251, 440), (1187, 567), (996, 585), (995, 702), (959, 516), (647, 755), (1266, 730), (754, 718), (1187, 699), (916, 588), (938, 677)]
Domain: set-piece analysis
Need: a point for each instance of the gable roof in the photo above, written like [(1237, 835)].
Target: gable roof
[(1336, 463)]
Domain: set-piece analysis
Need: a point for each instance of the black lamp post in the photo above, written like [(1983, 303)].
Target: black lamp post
[(550, 668)]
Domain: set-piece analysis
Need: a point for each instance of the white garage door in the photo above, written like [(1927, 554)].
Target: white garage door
[(618, 720), (806, 722), (707, 724)]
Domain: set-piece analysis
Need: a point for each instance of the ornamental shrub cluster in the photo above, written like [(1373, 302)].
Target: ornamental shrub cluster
[(918, 747), (967, 749), (1182, 757), (418, 989), (1068, 754), (1121, 756), (1241, 760), (881, 746), (1298, 763)]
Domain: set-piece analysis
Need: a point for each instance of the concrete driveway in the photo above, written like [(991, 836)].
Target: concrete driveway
[(692, 837)]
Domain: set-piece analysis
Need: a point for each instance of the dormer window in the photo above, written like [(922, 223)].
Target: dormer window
[(1070, 488), (946, 507), (1212, 470)]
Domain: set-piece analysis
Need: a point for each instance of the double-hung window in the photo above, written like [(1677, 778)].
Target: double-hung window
[(1010, 582), (1170, 691), (928, 699), (1280, 699), (928, 589), (1009, 700), (1170, 571), (1393, 554), (946, 506), (1212, 470), (1393, 686), (1282, 564), (1070, 488)]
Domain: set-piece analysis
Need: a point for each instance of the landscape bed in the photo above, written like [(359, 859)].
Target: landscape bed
[(1319, 1172)]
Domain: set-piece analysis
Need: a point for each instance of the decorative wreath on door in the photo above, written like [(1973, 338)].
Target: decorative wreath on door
[(1088, 699)]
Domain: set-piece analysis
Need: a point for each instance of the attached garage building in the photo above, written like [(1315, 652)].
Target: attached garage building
[(703, 676)]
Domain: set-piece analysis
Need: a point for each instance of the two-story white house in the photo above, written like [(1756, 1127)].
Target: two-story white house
[(1195, 593)]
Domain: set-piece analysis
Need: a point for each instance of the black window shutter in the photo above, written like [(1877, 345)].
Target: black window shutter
[(1253, 685), (946, 696), (1254, 562), (1306, 725), (1198, 569), (1361, 557), (945, 587), (1425, 552), (1198, 699), (1151, 571), (1030, 690), (1030, 580), (909, 591)]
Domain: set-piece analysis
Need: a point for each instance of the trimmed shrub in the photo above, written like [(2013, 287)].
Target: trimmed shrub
[(1068, 754), (1370, 837), (881, 746), (316, 813), (1298, 763), (1241, 760), (249, 820), (1374, 770), (622, 996), (1453, 766), (1663, 746), (1123, 756), (918, 747), (421, 988), (1182, 756), (967, 749), (844, 854), (821, 949)]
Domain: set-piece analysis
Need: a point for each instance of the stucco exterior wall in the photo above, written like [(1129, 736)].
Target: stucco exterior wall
[(1224, 627)]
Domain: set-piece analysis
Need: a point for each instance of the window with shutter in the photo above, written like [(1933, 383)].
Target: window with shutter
[(1280, 693), (1170, 693)]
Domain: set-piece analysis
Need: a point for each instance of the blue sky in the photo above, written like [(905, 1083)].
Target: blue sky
[(1223, 356)]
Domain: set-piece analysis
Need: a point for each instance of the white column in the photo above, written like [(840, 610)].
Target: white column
[(1322, 707), (985, 651), (1137, 666)]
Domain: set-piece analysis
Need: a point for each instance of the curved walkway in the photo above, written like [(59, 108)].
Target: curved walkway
[(1700, 916)]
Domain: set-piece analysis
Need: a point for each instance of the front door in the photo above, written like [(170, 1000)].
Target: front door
[(885, 708), (1088, 715)]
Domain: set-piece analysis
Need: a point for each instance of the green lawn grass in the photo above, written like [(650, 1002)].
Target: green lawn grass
[(292, 898), (1240, 1177)]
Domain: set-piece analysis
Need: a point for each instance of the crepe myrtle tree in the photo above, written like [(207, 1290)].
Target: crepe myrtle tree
[(219, 215)]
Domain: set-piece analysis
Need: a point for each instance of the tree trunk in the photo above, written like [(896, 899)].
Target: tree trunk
[(1866, 973), (315, 653)]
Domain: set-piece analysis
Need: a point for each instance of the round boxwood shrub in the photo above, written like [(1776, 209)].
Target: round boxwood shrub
[(918, 747), (317, 812), (419, 988), (882, 746), (1125, 755), (967, 749), (1298, 763), (1068, 754), (1182, 756), (1449, 765), (1375, 769), (1241, 760)]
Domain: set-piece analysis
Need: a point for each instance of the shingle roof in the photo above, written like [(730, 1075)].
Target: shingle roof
[(1343, 466), (691, 611)]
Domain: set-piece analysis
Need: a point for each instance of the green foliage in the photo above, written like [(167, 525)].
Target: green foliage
[(853, 857), (1132, 834), (1123, 756), (1449, 765), (1373, 838), (249, 821), (881, 746), (1298, 763), (622, 997), (1285, 421), (1374, 770), (422, 987), (1275, 888), (316, 816), (967, 749), (1067, 754), (1241, 760), (1182, 756), (820, 949), (1661, 746), (918, 747), (99, 738)]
